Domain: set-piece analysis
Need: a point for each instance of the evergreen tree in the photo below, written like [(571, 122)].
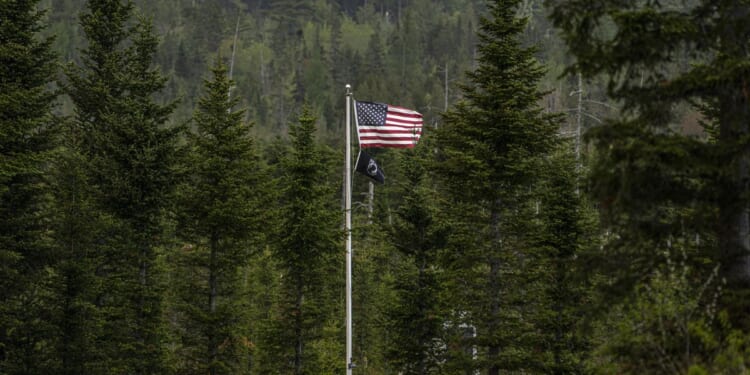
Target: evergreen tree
[(568, 231), (416, 316), (78, 229), (27, 69), (307, 254), (667, 326), (131, 154), (491, 148), (220, 217), (658, 185)]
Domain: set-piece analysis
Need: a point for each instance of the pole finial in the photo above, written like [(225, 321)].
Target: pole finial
[(348, 89)]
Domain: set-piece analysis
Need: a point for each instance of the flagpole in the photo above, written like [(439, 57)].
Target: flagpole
[(348, 229)]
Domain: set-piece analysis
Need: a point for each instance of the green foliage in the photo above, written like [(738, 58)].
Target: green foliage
[(27, 70), (498, 129), (219, 217), (290, 52), (651, 189), (307, 255), (491, 150), (672, 325), (480, 253), (221, 194), (659, 188), (355, 36), (78, 232), (415, 315), (568, 232), (373, 261), (131, 156), (656, 58)]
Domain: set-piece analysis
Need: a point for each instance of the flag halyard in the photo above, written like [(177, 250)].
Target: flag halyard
[(384, 125)]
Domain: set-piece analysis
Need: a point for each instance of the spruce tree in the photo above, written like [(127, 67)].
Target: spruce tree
[(568, 233), (307, 253), (657, 185), (220, 215), (131, 154), (78, 228), (416, 315), (490, 150), (27, 69)]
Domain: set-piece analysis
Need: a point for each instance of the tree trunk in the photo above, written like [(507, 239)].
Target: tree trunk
[(213, 345), (422, 311), (493, 350), (298, 328), (141, 332), (734, 229)]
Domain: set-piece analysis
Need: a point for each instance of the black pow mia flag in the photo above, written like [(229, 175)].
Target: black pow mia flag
[(368, 167)]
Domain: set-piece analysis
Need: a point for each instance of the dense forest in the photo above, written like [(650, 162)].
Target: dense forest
[(172, 190)]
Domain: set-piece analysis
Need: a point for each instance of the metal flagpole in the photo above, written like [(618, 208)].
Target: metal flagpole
[(348, 228)]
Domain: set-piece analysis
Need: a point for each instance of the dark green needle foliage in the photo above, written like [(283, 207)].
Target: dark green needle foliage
[(662, 192), (569, 233), (308, 253), (657, 185), (491, 149), (415, 316), (131, 152), (78, 227), (220, 211), (27, 68)]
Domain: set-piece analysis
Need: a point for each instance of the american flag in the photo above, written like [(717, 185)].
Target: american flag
[(383, 125)]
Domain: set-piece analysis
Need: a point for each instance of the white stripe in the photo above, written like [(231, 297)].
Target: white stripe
[(390, 128), (383, 135), (392, 117), (404, 110), (387, 142), (402, 123)]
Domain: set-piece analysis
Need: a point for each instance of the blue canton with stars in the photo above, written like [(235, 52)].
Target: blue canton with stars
[(371, 114)]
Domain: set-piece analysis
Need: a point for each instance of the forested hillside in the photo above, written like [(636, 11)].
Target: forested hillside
[(289, 52), (172, 200)]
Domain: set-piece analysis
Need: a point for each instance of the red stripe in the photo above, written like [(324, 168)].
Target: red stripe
[(370, 131), (400, 123), (406, 116), (383, 145), (393, 137), (370, 139), (390, 136), (405, 127), (375, 127)]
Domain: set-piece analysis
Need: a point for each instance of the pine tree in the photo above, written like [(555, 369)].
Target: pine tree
[(27, 69), (491, 148), (220, 216), (131, 154), (658, 185), (307, 254)]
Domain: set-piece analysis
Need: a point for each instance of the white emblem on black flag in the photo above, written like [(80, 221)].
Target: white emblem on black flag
[(368, 167)]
